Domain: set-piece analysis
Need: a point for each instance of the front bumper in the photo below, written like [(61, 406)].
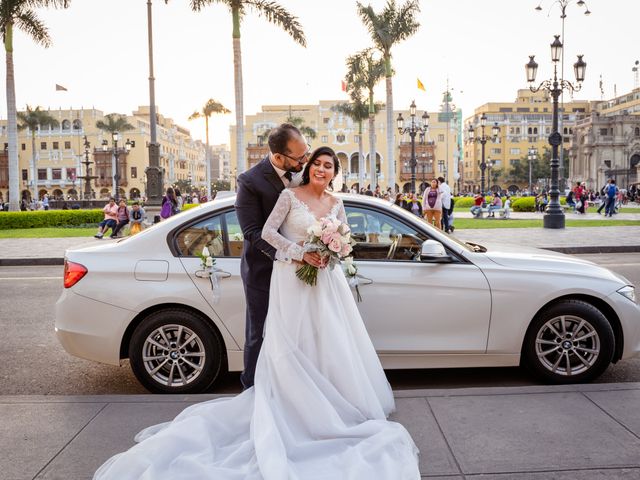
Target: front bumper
[(629, 314), (90, 329)]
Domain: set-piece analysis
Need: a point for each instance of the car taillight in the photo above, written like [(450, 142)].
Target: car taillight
[(73, 272)]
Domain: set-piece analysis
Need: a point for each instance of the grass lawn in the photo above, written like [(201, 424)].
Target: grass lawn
[(48, 232), (470, 223)]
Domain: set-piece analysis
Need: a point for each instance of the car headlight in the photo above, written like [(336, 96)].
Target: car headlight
[(628, 291)]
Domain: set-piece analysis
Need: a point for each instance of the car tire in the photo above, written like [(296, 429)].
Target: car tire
[(569, 342), (176, 351)]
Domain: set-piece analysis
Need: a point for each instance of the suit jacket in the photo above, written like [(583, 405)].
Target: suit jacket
[(258, 191)]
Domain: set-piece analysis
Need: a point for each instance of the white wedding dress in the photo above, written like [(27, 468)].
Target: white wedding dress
[(320, 401)]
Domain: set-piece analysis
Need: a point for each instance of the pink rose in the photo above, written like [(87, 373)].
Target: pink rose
[(346, 250), (335, 246), (326, 237)]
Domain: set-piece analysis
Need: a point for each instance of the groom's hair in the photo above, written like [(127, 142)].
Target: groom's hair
[(279, 137)]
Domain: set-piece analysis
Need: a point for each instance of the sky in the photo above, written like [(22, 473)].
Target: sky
[(100, 55)]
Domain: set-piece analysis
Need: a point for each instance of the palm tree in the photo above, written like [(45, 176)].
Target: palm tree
[(364, 71), (306, 130), (358, 111), (388, 28), (34, 119), (21, 14), (115, 123), (209, 109), (275, 14)]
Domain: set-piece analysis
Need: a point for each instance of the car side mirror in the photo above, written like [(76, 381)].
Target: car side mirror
[(434, 252)]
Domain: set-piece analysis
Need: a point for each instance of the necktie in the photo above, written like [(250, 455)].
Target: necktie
[(288, 175)]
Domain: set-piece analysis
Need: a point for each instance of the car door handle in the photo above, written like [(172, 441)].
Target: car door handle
[(206, 274), (362, 280)]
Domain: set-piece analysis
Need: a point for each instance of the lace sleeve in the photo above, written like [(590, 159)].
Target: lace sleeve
[(342, 215), (286, 249)]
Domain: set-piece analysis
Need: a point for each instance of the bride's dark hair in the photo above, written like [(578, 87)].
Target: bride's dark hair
[(317, 153)]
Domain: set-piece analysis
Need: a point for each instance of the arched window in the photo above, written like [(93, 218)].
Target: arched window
[(77, 124), (637, 132), (529, 130), (340, 138), (66, 125), (535, 130)]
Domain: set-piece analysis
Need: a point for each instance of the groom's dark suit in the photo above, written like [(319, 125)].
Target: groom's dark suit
[(258, 192)]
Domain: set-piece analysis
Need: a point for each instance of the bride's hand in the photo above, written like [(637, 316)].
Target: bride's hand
[(314, 259)]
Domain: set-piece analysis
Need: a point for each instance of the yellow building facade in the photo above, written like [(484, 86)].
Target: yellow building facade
[(522, 124), (56, 165), (340, 132)]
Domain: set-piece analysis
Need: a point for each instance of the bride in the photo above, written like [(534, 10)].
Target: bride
[(318, 409)]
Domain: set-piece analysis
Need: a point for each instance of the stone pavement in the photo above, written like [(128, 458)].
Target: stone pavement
[(536, 432)]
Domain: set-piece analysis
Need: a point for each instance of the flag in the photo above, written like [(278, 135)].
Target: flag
[(421, 86), (60, 88), (344, 86)]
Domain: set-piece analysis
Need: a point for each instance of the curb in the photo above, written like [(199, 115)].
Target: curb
[(23, 262)]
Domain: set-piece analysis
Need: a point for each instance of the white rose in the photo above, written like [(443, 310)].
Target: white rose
[(209, 261), (315, 229), (205, 252)]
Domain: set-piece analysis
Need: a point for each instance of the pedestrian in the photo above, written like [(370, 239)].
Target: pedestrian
[(45, 201), (412, 204), (169, 204), (110, 218), (478, 202), (432, 204), (496, 204), (123, 218), (447, 204), (399, 200), (611, 193), (179, 199), (137, 216)]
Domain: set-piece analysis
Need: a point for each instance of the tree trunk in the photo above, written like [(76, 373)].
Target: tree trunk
[(237, 72), (391, 153), (34, 167), (360, 156), (12, 124), (207, 157), (372, 150)]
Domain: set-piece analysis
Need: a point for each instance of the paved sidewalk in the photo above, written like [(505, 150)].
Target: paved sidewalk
[(537, 432)]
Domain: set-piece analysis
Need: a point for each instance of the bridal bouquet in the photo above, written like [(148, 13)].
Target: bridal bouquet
[(330, 238), (207, 263)]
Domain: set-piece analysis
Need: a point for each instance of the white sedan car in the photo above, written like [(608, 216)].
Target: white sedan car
[(428, 300)]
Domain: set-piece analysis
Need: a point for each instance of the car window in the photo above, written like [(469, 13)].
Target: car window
[(221, 234), (379, 236)]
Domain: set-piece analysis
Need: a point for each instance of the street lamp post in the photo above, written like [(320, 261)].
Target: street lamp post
[(495, 130), (412, 130), (87, 173), (489, 167), (129, 144), (532, 156), (554, 215)]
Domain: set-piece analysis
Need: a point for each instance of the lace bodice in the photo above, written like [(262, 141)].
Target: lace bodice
[(292, 217)]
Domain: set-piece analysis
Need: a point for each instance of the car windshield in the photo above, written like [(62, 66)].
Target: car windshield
[(469, 246)]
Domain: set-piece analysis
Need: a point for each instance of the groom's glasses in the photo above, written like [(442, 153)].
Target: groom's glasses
[(300, 159)]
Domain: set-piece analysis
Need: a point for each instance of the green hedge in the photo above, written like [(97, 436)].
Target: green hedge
[(49, 218), (523, 204)]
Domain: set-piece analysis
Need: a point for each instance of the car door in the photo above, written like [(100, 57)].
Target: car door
[(222, 235), (409, 305)]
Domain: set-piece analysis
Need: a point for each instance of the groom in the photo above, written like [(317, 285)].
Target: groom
[(258, 192)]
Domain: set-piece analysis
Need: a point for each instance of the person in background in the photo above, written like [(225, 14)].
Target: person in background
[(45, 201), (432, 204), (611, 194), (179, 199), (137, 216), (399, 200), (110, 218), (123, 218), (169, 204), (478, 200), (447, 203), (496, 204), (412, 204)]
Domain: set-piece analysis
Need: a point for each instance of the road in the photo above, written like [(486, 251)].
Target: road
[(33, 363)]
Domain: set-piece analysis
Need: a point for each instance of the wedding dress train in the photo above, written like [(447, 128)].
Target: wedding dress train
[(320, 401)]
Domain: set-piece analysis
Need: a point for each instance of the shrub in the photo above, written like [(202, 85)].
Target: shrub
[(187, 206), (49, 218), (524, 204), (463, 202)]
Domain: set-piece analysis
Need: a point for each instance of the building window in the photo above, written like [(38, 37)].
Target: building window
[(67, 145), (66, 125), (43, 145), (603, 132), (324, 139), (134, 172), (340, 138), (42, 174), (637, 132), (441, 137), (325, 120), (25, 174), (24, 146), (71, 173), (496, 151), (56, 174), (56, 145), (515, 151)]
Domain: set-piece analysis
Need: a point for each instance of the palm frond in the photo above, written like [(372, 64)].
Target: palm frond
[(115, 123), (29, 23), (212, 106), (195, 116), (34, 117), (278, 15), (48, 3), (197, 5)]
